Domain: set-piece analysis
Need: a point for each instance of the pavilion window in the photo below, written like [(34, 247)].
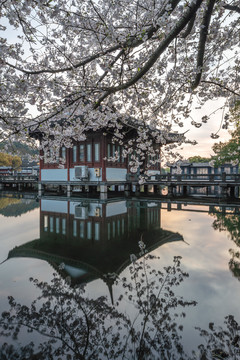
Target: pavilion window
[(82, 152), (113, 229), (74, 153), (97, 152), (64, 226), (51, 223), (74, 228), (57, 225), (97, 231), (89, 152), (89, 230), (202, 171), (82, 229), (113, 150), (109, 150), (45, 226), (118, 228), (123, 226), (119, 153), (63, 153)]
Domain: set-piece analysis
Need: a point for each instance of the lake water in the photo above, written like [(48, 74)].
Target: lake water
[(87, 241)]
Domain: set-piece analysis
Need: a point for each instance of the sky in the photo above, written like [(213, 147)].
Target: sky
[(203, 134)]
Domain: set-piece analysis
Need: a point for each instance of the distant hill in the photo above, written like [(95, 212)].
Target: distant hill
[(21, 148)]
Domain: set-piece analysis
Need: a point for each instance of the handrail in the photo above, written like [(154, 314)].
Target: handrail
[(223, 177), (19, 177)]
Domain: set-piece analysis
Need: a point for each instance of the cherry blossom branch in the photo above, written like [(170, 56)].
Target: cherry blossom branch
[(73, 66), (222, 86), (202, 42), (132, 42), (232, 8), (189, 27), (161, 48)]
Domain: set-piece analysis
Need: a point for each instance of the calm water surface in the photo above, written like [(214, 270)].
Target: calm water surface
[(94, 241)]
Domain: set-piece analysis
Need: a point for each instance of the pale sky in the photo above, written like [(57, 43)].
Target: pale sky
[(202, 134)]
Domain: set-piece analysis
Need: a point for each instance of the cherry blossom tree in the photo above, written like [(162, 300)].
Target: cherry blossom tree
[(100, 63)]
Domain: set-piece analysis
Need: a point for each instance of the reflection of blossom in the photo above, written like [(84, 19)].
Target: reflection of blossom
[(74, 326), (221, 343), (141, 245), (112, 276), (61, 266), (133, 258), (78, 327), (68, 280)]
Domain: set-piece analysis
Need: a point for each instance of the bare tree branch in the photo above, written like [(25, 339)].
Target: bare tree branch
[(202, 41), (189, 27), (232, 8), (221, 86), (161, 48)]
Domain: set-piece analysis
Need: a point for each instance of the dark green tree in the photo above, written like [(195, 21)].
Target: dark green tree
[(198, 159), (229, 152), (231, 223)]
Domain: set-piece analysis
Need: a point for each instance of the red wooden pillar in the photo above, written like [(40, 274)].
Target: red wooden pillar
[(68, 163), (41, 164), (104, 155)]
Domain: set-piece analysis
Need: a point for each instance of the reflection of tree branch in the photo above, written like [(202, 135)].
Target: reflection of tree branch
[(230, 223), (40, 332), (87, 336), (106, 341), (221, 342), (82, 324)]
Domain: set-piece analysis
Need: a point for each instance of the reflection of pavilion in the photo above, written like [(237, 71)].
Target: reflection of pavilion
[(92, 238)]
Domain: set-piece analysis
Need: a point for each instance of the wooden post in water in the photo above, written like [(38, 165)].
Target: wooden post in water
[(146, 188), (170, 190), (103, 192), (69, 190), (40, 189), (137, 191), (126, 189), (224, 191)]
